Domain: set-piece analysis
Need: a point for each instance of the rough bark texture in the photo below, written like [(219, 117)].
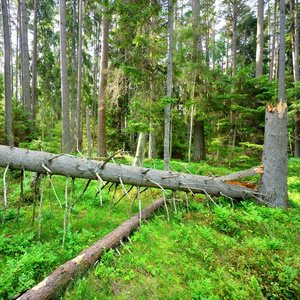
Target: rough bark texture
[(167, 152), (66, 272), (271, 67), (34, 64), (273, 182), (66, 143), (260, 38), (25, 60), (7, 75), (296, 78), (101, 138), (79, 76), (76, 167), (199, 141)]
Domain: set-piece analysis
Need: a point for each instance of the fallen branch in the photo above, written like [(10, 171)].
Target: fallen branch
[(87, 258)]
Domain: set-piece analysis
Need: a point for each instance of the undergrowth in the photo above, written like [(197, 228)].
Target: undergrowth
[(210, 252)]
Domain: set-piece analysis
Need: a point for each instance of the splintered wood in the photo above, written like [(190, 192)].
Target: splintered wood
[(281, 108)]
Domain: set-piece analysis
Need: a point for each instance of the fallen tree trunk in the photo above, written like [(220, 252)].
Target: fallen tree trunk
[(88, 257), (76, 167)]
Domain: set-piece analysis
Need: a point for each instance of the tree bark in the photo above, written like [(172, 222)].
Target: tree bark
[(167, 152), (101, 138), (140, 150), (271, 67), (79, 76), (260, 38), (73, 102), (7, 75), (273, 182), (75, 167), (88, 257), (66, 143), (234, 38), (199, 141), (152, 141), (296, 78), (34, 64), (25, 61)]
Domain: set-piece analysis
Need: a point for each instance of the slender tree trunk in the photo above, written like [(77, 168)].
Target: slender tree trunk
[(167, 154), (96, 58), (34, 64), (7, 75), (66, 143), (234, 38), (260, 38), (79, 76), (73, 102), (101, 138), (25, 61), (140, 150), (88, 132), (271, 67), (152, 141), (273, 182), (296, 78), (17, 54)]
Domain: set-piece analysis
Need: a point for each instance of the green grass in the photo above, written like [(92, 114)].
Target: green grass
[(211, 252)]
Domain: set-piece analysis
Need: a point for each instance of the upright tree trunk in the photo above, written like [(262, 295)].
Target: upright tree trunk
[(88, 132), (79, 76), (260, 38), (271, 67), (7, 75), (34, 64), (152, 141), (167, 154), (273, 182), (234, 38), (140, 150), (101, 138), (17, 52), (66, 143), (199, 141), (296, 78), (25, 61), (73, 102)]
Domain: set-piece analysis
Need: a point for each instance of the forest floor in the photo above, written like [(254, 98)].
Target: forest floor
[(210, 251)]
